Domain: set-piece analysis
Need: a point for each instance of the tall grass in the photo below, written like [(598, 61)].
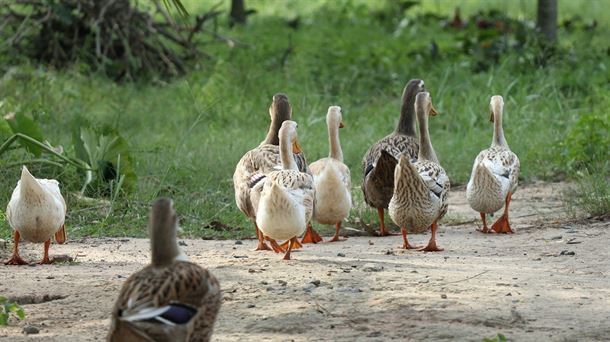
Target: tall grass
[(187, 135)]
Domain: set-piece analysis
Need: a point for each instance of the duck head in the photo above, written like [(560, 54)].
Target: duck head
[(496, 106), (288, 133), (334, 117), (423, 104)]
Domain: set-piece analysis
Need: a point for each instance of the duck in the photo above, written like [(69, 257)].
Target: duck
[(421, 188), (380, 160), (332, 180), (36, 212), (284, 200), (495, 175), (265, 158), (171, 299)]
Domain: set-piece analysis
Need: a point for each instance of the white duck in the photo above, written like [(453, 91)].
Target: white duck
[(332, 178), (36, 212), (284, 200), (495, 175), (420, 189)]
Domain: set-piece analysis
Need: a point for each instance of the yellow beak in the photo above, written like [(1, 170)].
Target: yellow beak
[(341, 124), (295, 147), (433, 111)]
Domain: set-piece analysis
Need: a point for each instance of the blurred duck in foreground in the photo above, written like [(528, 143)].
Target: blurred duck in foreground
[(332, 178), (284, 200), (380, 160), (171, 299), (260, 161), (420, 188), (495, 175), (36, 212)]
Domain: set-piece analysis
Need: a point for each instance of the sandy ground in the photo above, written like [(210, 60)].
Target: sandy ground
[(548, 282)]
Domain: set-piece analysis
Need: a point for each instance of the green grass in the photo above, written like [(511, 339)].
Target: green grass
[(188, 134)]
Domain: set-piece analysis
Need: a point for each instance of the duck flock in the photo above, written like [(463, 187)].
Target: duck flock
[(173, 299)]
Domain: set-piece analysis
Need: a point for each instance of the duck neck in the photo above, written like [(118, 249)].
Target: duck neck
[(406, 124), (498, 138), (426, 151), (335, 144), (288, 162), (272, 136), (164, 247)]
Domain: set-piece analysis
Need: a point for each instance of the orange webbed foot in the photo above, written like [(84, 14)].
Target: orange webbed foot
[(262, 246), (336, 238), (409, 246), (432, 247), (15, 260), (45, 261), (502, 226), (311, 236), (386, 233), (295, 245)]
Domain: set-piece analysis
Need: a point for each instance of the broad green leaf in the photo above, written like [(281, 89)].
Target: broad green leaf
[(102, 151), (20, 123)]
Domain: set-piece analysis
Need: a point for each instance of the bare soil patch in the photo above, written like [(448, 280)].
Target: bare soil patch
[(547, 282)]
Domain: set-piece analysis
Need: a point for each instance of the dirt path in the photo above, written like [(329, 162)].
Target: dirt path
[(548, 282)]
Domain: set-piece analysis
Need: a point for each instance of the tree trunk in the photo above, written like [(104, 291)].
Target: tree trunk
[(547, 19), (238, 12)]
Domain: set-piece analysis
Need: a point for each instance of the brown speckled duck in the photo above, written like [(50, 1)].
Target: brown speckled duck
[(258, 162), (495, 175), (420, 188), (169, 300), (380, 160)]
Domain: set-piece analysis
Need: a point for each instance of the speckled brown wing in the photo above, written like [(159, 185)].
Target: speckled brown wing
[(252, 167), (181, 283), (437, 181), (501, 161), (378, 168)]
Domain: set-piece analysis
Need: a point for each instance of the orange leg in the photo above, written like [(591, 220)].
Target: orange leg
[(485, 229), (16, 259), (336, 238), (432, 243), (311, 236), (262, 246), (291, 242), (276, 248), (405, 242), (502, 225), (45, 258), (382, 231)]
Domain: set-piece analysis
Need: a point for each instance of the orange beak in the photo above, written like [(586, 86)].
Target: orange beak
[(296, 149), (433, 111), (341, 124), (60, 235)]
